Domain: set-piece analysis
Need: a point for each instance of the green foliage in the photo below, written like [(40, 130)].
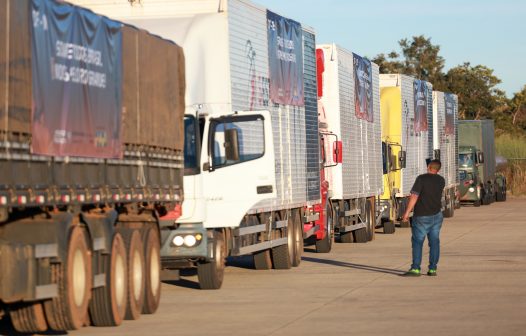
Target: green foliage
[(476, 86), (476, 89)]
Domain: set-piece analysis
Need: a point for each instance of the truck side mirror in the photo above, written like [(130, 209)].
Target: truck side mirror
[(337, 154), (402, 158), (436, 154), (231, 145), (480, 157)]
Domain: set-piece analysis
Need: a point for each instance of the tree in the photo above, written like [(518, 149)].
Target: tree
[(518, 109), (476, 89), (421, 60)]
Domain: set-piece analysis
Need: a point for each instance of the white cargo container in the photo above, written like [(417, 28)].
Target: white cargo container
[(407, 137), (226, 49), (357, 179), (445, 144)]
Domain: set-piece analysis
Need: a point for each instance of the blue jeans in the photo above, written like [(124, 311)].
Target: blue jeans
[(429, 226)]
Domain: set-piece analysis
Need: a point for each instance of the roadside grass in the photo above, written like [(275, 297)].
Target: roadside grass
[(513, 148)]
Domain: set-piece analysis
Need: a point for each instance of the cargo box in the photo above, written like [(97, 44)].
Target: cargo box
[(445, 143)]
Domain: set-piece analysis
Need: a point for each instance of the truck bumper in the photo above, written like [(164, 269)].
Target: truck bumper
[(173, 255)]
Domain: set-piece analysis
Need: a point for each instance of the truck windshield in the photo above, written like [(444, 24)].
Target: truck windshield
[(191, 152), (465, 160)]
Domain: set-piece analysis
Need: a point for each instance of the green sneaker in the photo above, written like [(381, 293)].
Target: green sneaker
[(412, 273), (432, 272)]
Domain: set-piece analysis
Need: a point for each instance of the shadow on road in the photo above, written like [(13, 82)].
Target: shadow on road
[(352, 265)]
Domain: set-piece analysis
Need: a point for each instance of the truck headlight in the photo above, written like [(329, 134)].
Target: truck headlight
[(190, 240), (471, 189), (178, 241)]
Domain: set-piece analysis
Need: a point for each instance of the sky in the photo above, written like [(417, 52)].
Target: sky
[(486, 32)]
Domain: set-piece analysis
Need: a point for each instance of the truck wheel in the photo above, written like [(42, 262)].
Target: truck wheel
[(405, 224), (345, 237), (280, 257), (28, 317), (262, 260), (477, 203), (325, 245), (136, 276), (108, 306), (360, 235), (69, 310), (210, 274), (297, 238), (450, 208), (152, 269), (371, 220), (389, 227)]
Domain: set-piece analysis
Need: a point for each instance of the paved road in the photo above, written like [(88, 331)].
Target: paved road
[(356, 289)]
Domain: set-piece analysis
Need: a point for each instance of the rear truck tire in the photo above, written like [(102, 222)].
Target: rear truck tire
[(371, 221), (28, 317), (210, 274), (296, 238), (325, 245), (136, 275), (360, 235), (345, 237), (262, 260), (389, 227), (280, 257), (449, 210), (69, 310), (477, 203), (152, 269), (108, 305)]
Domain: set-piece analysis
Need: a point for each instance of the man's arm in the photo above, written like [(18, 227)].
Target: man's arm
[(410, 206)]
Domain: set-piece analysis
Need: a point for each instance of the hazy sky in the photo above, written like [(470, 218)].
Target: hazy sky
[(487, 32)]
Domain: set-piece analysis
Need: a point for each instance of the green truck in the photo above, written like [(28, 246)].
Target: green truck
[(479, 182)]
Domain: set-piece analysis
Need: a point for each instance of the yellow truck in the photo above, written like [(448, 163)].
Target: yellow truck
[(406, 108)]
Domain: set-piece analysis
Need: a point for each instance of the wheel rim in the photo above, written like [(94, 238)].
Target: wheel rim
[(79, 278), (137, 274), (154, 270), (119, 279)]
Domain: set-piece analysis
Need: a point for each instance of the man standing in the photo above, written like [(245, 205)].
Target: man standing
[(426, 199)]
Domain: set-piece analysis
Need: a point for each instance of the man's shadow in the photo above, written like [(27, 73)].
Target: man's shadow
[(353, 265)]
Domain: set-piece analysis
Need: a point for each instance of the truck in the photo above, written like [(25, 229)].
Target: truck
[(92, 164), (479, 182), (445, 146), (350, 132), (407, 141), (251, 123)]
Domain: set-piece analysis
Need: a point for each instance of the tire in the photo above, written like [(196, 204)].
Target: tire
[(108, 306), (152, 269), (325, 245), (477, 203), (360, 235), (345, 237), (69, 310), (371, 213), (211, 274), (280, 257), (389, 227), (262, 260), (28, 317), (297, 239), (136, 273), (450, 208)]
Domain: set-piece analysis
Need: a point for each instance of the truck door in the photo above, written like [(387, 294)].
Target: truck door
[(240, 169)]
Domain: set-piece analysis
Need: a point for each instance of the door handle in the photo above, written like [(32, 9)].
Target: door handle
[(265, 189)]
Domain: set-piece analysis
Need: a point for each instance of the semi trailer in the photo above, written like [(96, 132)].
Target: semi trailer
[(350, 132), (407, 140), (479, 182), (445, 146), (251, 121), (91, 157)]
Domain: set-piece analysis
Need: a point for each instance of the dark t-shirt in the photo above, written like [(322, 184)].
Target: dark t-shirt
[(429, 189)]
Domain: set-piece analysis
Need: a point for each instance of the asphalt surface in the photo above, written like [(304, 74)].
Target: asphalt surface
[(357, 289)]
